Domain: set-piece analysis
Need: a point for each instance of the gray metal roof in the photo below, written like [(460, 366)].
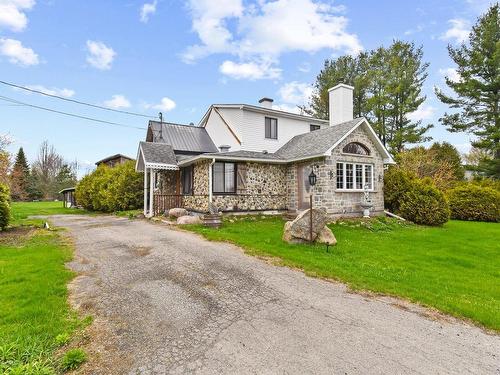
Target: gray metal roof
[(182, 138), (316, 142), (158, 153)]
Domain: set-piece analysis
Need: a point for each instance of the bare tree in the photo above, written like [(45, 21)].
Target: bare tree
[(46, 169), (5, 140)]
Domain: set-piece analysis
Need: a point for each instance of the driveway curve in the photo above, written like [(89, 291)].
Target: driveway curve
[(169, 302)]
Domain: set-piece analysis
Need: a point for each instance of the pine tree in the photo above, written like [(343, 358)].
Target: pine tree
[(20, 177), (477, 91)]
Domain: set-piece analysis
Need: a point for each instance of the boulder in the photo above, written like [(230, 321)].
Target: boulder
[(326, 236), (299, 227), (187, 219), (140, 216), (177, 212)]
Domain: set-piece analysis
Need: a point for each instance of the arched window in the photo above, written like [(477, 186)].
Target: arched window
[(356, 148)]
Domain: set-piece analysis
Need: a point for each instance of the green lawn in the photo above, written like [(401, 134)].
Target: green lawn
[(455, 269), (35, 318)]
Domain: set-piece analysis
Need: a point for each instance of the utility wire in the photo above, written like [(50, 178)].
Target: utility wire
[(75, 101), (7, 99)]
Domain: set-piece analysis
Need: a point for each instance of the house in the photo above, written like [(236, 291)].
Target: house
[(246, 158), (113, 160)]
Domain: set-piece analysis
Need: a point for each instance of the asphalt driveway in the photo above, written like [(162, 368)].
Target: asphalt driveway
[(167, 301)]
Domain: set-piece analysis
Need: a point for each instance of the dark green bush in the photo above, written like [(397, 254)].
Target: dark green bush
[(424, 204), (72, 359), (397, 182), (111, 189), (474, 202), (4, 206)]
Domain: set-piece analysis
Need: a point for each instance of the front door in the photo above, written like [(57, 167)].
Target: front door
[(304, 188)]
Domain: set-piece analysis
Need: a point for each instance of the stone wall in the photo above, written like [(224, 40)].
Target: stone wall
[(199, 200)]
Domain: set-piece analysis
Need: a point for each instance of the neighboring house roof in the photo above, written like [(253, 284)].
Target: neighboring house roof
[(255, 108), (112, 157), (182, 138), (155, 155)]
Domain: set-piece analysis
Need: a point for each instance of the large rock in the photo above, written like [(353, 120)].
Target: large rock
[(188, 220), (299, 228), (177, 212), (326, 236)]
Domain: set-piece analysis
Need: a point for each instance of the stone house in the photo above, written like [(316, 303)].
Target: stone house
[(244, 158)]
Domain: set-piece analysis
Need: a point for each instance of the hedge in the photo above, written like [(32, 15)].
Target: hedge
[(111, 189), (424, 204), (4, 206), (397, 182), (475, 203)]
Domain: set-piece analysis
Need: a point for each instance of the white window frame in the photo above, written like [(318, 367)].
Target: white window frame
[(344, 176)]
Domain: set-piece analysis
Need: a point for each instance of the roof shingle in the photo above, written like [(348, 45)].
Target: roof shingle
[(158, 153)]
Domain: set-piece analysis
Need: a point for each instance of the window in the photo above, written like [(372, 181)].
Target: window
[(356, 148), (354, 176), (187, 180), (224, 178), (271, 128), (314, 127)]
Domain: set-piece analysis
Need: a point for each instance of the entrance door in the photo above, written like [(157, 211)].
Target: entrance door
[(304, 188)]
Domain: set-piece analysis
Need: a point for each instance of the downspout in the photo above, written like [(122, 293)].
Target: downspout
[(210, 183)]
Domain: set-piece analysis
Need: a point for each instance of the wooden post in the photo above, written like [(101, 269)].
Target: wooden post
[(311, 216)]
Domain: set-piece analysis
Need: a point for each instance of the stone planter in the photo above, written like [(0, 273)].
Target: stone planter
[(212, 221)]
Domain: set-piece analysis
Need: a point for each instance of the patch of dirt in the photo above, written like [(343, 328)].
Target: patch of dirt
[(11, 236), (142, 250)]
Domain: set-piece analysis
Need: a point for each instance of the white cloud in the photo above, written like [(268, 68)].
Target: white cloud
[(147, 10), (263, 31), (67, 93), (249, 70), (17, 53), (12, 14), (99, 55), (288, 108), (423, 112), (165, 105), (117, 101), (451, 73), (416, 30), (459, 30), (304, 67), (296, 93)]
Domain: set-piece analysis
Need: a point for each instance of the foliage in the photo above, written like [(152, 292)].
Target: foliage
[(441, 162), (476, 91), (397, 182), (20, 177), (387, 88), (424, 204), (453, 268), (72, 359), (4, 206), (476, 203), (111, 189)]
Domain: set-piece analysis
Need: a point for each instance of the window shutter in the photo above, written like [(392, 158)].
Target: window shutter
[(241, 184)]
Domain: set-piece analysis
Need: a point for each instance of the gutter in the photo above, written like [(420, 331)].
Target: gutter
[(250, 160)]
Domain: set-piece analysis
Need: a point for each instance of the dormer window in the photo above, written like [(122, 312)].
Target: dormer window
[(356, 148), (271, 128)]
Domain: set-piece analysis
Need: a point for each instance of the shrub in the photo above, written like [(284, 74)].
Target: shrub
[(397, 182), (111, 189), (474, 202), (72, 359), (4, 206), (424, 204)]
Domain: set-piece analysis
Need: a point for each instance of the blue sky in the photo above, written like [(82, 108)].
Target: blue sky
[(180, 57)]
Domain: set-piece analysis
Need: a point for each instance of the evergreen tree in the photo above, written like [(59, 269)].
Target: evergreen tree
[(65, 178), (20, 177), (477, 92)]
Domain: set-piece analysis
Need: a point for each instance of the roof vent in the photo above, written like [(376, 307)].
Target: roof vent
[(191, 124), (266, 102), (265, 152), (224, 148)]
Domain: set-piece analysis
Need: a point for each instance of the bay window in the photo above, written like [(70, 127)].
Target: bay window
[(354, 176)]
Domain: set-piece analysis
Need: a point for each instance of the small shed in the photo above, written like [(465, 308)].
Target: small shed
[(69, 199)]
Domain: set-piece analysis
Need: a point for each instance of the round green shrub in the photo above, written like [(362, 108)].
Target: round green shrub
[(72, 359), (397, 182), (475, 203), (4, 206), (424, 204)]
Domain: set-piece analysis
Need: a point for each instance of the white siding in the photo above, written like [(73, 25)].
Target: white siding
[(219, 132)]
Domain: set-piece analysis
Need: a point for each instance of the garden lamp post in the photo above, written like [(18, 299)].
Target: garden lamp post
[(312, 182)]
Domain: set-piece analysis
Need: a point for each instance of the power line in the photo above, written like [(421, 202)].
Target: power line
[(75, 101), (7, 99)]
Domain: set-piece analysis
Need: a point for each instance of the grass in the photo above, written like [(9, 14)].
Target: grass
[(35, 317), (454, 268)]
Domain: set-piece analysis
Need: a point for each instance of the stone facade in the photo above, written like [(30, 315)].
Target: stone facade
[(276, 186)]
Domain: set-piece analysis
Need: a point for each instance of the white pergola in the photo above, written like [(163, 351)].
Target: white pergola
[(151, 158)]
